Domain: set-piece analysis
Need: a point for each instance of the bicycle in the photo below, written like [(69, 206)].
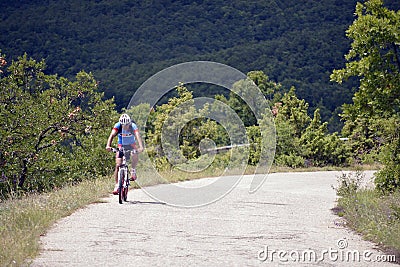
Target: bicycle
[(123, 177)]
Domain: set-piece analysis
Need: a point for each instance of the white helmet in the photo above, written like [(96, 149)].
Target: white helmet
[(124, 119)]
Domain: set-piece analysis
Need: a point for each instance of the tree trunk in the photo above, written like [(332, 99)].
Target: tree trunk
[(24, 173)]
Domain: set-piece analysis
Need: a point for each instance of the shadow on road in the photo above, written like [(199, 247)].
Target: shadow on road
[(146, 202)]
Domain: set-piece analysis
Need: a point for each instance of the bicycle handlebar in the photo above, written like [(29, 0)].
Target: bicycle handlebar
[(134, 151)]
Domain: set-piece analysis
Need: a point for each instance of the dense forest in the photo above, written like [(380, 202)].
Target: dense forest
[(123, 43)]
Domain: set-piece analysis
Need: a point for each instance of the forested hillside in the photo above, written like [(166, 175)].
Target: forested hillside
[(123, 43)]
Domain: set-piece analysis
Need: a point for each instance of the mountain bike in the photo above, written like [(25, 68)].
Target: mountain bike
[(123, 171)]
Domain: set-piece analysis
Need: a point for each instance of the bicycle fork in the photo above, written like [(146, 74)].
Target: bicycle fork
[(123, 180)]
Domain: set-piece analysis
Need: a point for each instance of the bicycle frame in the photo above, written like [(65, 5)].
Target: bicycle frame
[(123, 178), (123, 181)]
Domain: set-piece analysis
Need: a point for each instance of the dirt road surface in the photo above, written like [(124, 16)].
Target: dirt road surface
[(287, 222)]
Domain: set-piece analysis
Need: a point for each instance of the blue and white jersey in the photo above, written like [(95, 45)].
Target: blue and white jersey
[(126, 136)]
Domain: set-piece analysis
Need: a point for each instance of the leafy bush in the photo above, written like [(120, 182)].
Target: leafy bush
[(254, 135), (304, 141), (52, 130), (388, 179), (368, 212), (349, 183), (291, 160)]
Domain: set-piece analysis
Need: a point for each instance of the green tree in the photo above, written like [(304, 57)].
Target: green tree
[(243, 89), (313, 140), (374, 57), (290, 123), (294, 110), (272, 91), (178, 129), (302, 140), (288, 147), (321, 148), (51, 129)]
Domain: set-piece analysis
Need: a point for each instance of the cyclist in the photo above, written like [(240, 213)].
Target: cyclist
[(128, 135)]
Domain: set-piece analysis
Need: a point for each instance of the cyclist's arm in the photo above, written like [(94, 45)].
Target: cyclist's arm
[(139, 141), (113, 133)]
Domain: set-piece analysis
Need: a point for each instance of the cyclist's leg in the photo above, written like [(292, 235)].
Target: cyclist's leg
[(118, 161), (134, 161)]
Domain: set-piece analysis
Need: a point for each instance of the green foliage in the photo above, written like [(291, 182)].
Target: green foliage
[(294, 110), (52, 130), (124, 42), (288, 147), (375, 58), (245, 89), (371, 214), (313, 140), (349, 184), (388, 179), (302, 141), (272, 91), (255, 140), (178, 128), (322, 148), (365, 137)]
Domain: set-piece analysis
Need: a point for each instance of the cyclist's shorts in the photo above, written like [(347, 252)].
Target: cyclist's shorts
[(126, 147)]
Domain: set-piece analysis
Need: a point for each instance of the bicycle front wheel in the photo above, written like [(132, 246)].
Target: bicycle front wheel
[(125, 193), (121, 178)]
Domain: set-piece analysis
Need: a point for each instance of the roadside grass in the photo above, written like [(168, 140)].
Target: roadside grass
[(376, 217), (24, 220)]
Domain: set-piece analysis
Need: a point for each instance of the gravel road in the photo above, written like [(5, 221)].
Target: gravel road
[(287, 222)]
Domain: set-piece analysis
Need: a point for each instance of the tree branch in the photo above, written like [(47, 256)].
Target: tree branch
[(42, 136)]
